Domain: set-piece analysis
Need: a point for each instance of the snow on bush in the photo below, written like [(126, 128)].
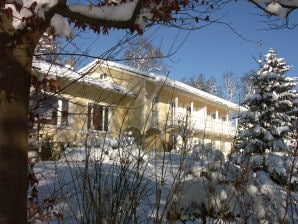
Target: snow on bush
[(118, 182), (122, 150), (237, 192), (279, 167)]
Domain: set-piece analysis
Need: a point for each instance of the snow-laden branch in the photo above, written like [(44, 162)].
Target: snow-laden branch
[(22, 10), (123, 15), (119, 14), (279, 8), (122, 12)]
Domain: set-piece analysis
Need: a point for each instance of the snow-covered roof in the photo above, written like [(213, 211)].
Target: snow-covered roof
[(58, 71), (117, 66), (163, 80), (82, 76), (206, 96)]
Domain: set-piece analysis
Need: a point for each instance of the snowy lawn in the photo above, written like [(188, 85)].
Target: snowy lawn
[(131, 186)]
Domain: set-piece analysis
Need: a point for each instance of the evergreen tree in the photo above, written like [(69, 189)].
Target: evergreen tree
[(268, 122)]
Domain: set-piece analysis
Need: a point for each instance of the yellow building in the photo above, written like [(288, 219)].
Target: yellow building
[(107, 99)]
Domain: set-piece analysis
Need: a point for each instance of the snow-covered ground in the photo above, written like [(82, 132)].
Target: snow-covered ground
[(124, 184)]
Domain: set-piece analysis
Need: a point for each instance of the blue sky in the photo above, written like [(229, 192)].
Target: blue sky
[(215, 49)]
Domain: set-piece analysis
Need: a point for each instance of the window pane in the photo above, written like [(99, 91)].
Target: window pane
[(97, 117), (64, 112), (106, 119), (48, 110), (89, 116)]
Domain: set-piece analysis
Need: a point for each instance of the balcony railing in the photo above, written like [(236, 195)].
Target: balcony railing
[(207, 124), (215, 126)]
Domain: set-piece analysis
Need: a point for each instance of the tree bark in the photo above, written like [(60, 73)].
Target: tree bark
[(15, 76), (16, 52)]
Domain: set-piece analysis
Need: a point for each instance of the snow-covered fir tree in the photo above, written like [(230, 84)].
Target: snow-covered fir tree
[(267, 125)]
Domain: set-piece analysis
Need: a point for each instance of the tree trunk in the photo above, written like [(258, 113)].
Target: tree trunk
[(16, 51), (15, 76)]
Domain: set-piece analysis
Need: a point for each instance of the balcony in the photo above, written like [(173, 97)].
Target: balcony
[(212, 126), (204, 124)]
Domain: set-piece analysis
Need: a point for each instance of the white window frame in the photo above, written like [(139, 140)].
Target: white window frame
[(104, 115), (58, 108)]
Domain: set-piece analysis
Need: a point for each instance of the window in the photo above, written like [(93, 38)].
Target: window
[(103, 75), (53, 110), (188, 109), (63, 113), (213, 115), (98, 117)]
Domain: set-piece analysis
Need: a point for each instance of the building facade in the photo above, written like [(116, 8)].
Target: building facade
[(107, 99)]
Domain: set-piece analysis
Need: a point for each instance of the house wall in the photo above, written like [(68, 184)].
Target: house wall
[(79, 96), (139, 110), (148, 113), (204, 129)]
